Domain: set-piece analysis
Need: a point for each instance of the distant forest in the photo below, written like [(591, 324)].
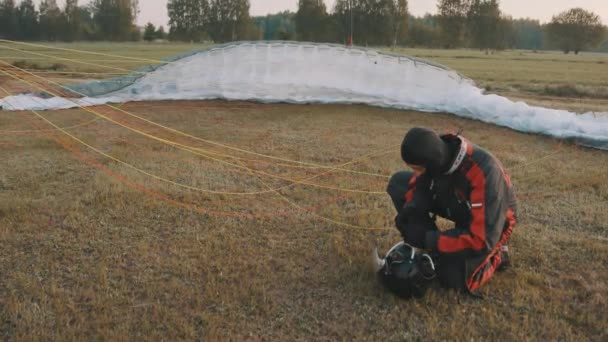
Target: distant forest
[(458, 24)]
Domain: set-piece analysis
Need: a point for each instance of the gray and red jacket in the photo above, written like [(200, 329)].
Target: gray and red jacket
[(476, 193)]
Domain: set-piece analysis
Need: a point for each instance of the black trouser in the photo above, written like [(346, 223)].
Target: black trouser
[(450, 269)]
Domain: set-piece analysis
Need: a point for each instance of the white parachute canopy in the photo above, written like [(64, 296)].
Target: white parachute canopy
[(322, 73)]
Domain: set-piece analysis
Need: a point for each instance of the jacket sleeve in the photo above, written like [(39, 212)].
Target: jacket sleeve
[(488, 205), (416, 202), (418, 198), (413, 220)]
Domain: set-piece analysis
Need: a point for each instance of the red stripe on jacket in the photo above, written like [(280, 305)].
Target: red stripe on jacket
[(476, 280), (476, 240), (409, 195)]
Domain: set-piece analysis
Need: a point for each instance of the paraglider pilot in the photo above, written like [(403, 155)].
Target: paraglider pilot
[(463, 183)]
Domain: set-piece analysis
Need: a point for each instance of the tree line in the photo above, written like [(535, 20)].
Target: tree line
[(458, 23), (99, 20), (216, 20)]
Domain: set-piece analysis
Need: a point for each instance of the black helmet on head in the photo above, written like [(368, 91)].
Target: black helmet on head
[(405, 271), (424, 147)]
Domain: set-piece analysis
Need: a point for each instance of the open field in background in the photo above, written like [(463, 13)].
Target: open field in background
[(146, 242), (87, 253), (550, 79)]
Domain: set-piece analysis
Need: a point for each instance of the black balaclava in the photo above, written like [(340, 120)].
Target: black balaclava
[(424, 147)]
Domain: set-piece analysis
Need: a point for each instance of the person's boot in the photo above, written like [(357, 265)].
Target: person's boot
[(505, 263)]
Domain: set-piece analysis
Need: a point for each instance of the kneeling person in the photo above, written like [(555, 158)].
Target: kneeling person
[(465, 184)]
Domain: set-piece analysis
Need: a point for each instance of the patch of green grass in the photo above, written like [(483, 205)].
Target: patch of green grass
[(526, 72), (569, 90), (137, 55), (21, 64)]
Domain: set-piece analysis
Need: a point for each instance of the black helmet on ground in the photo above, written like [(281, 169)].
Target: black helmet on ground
[(405, 271)]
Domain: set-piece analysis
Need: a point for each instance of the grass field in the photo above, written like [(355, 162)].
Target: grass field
[(132, 238)]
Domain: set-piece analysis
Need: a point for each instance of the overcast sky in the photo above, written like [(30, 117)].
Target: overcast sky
[(155, 11)]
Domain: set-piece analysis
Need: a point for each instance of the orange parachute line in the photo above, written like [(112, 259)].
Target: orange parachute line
[(195, 207), (185, 134), (91, 162), (146, 148), (205, 154)]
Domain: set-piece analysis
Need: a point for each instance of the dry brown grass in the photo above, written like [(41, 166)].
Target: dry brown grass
[(87, 256)]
